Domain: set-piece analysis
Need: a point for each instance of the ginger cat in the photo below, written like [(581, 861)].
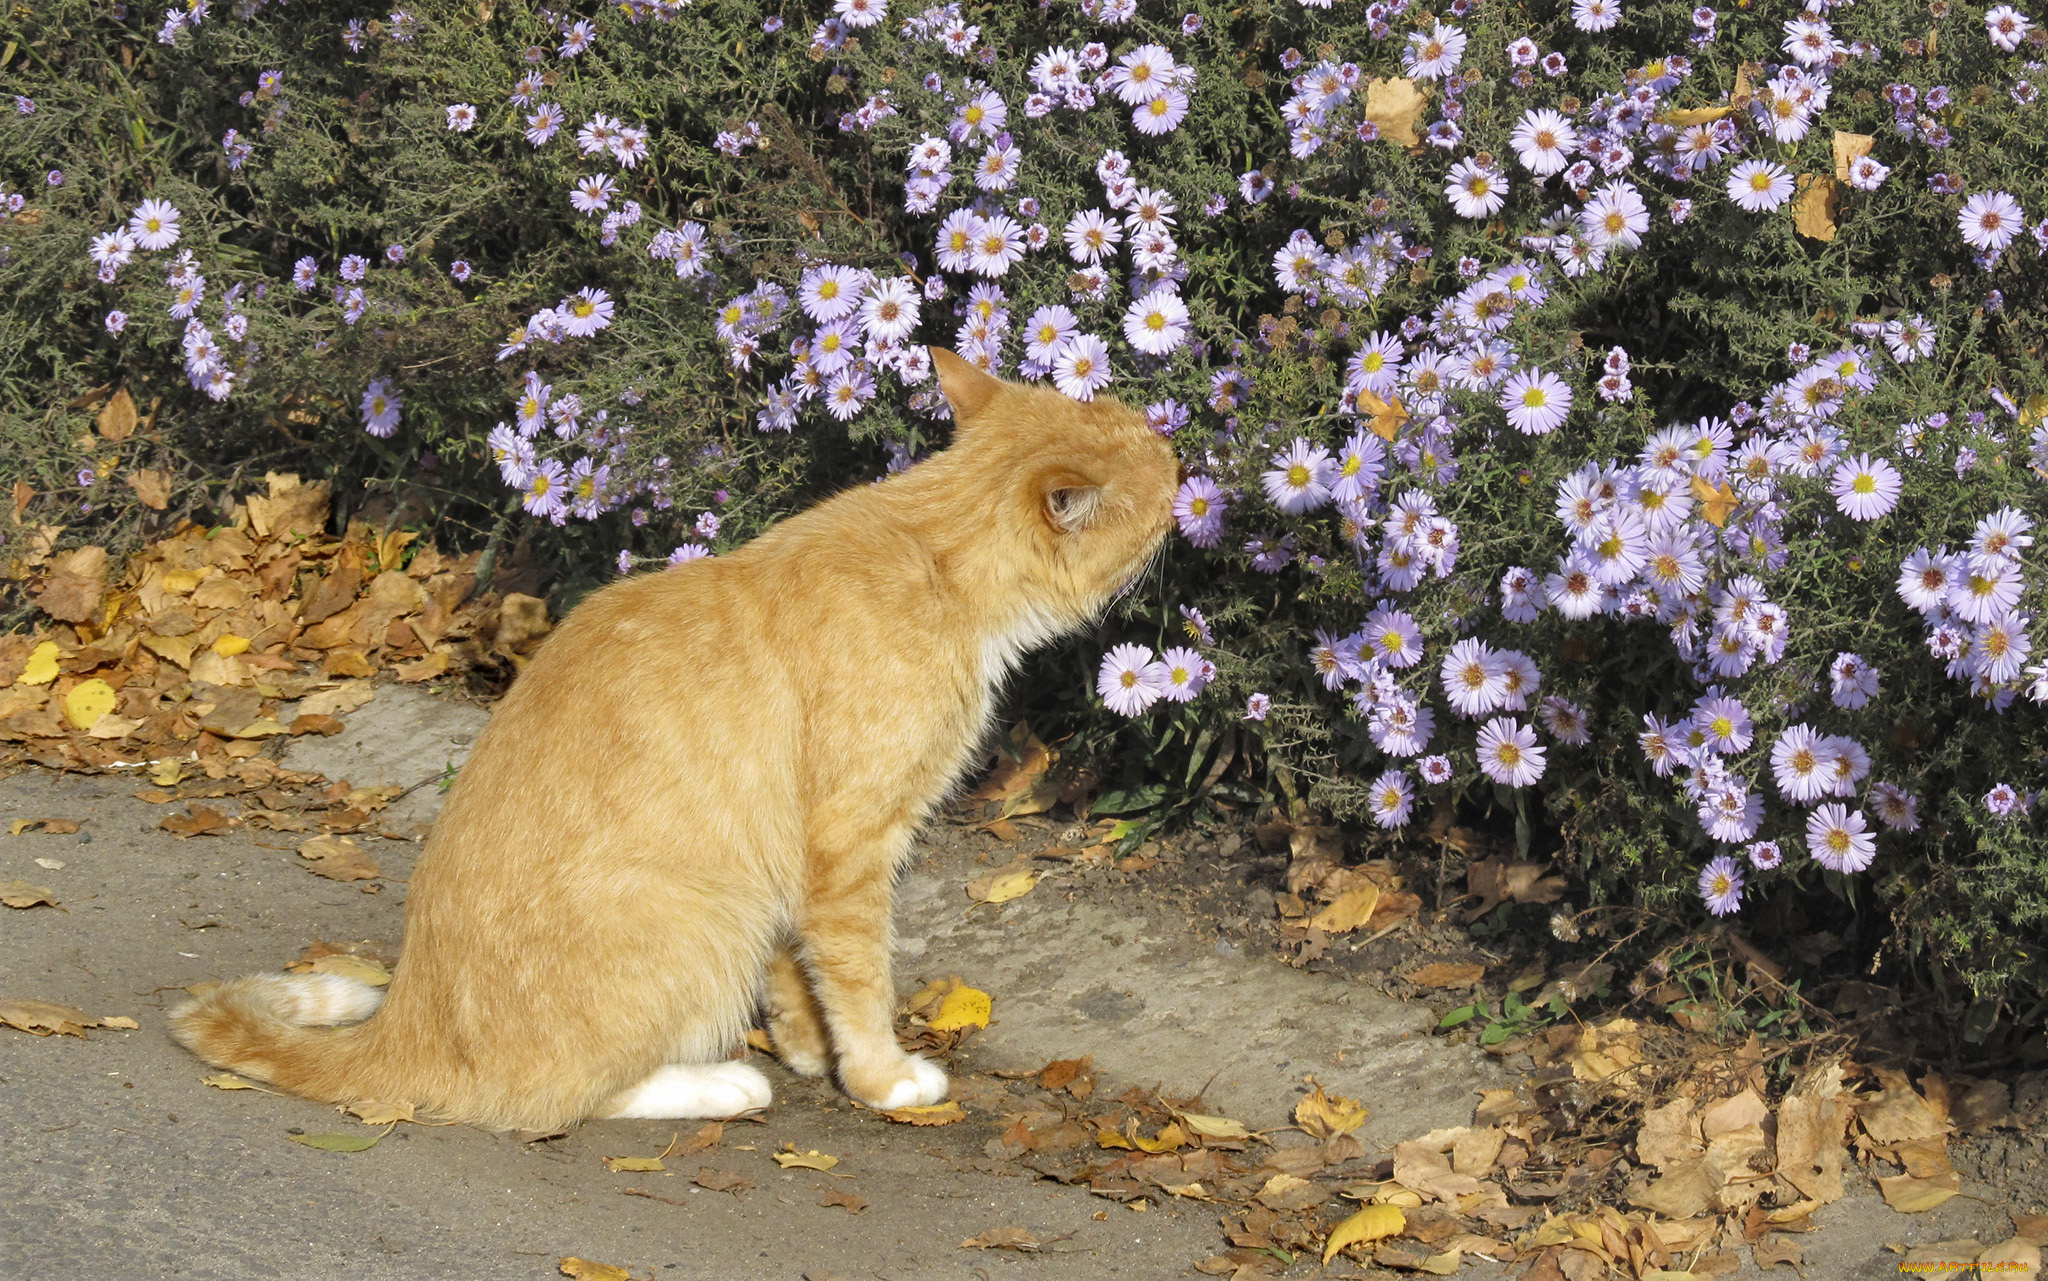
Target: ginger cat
[(694, 802)]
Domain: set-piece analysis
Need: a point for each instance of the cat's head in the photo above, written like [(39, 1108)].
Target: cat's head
[(1089, 486)]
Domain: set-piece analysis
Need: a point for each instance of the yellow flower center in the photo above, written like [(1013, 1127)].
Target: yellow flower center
[(1298, 475)]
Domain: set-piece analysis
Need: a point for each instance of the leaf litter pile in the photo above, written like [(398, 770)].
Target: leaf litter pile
[(1641, 1149)]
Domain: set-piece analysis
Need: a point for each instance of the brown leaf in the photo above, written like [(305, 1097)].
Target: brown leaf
[(200, 821), (1897, 1113), (1061, 1073), (41, 1018), (308, 724), (1775, 1249), (1448, 974), (2016, 1256), (2031, 1227), (339, 859), (852, 1202), (292, 510), (1003, 1238), (707, 1136), (1813, 209), (71, 598), (1493, 880), (1910, 1195), (20, 894), (152, 487), (117, 418), (721, 1180)]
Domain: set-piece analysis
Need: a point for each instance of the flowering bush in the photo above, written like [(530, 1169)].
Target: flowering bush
[(1630, 417)]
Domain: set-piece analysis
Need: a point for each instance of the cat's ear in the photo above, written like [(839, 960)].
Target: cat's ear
[(1072, 504), (967, 389)]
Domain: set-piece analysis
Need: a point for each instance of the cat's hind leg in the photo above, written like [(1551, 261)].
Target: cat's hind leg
[(794, 1023), (679, 1090)]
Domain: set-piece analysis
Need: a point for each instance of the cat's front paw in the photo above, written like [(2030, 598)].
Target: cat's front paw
[(916, 1082)]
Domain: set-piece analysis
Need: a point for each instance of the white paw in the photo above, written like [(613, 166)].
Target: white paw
[(682, 1090), (924, 1084)]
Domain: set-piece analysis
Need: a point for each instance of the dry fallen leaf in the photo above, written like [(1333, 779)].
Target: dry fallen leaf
[(384, 1114), (591, 1270), (21, 894), (928, 1114), (229, 1081), (1387, 416), (1003, 1238), (1849, 148), (1001, 887), (42, 665), (1448, 974), (152, 487), (1289, 1192), (87, 702), (339, 701), (1910, 1195), (634, 1164), (42, 1018), (1350, 910), (339, 859), (791, 1159), (1214, 1127), (1326, 1116), (1369, 1224), (713, 1180), (1394, 106), (964, 1007), (2015, 1257), (851, 1202), (117, 417), (363, 969), (200, 821), (1813, 209)]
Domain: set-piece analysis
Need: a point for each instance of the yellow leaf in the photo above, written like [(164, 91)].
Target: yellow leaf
[(1108, 1138), (87, 702), (1192, 1191), (42, 665), (165, 773), (360, 968), (228, 1081), (1387, 415), (1813, 211), (1717, 502), (228, 644), (121, 1021), (928, 1114), (381, 1113), (1171, 1137), (963, 1007), (1395, 105), (180, 582), (1684, 117), (1443, 1264), (1001, 887), (1327, 1116), (264, 728), (791, 1159), (20, 825), (634, 1164), (592, 1270), (1351, 909), (1214, 1127)]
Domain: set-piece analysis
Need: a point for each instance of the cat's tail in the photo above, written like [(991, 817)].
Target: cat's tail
[(281, 1029)]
